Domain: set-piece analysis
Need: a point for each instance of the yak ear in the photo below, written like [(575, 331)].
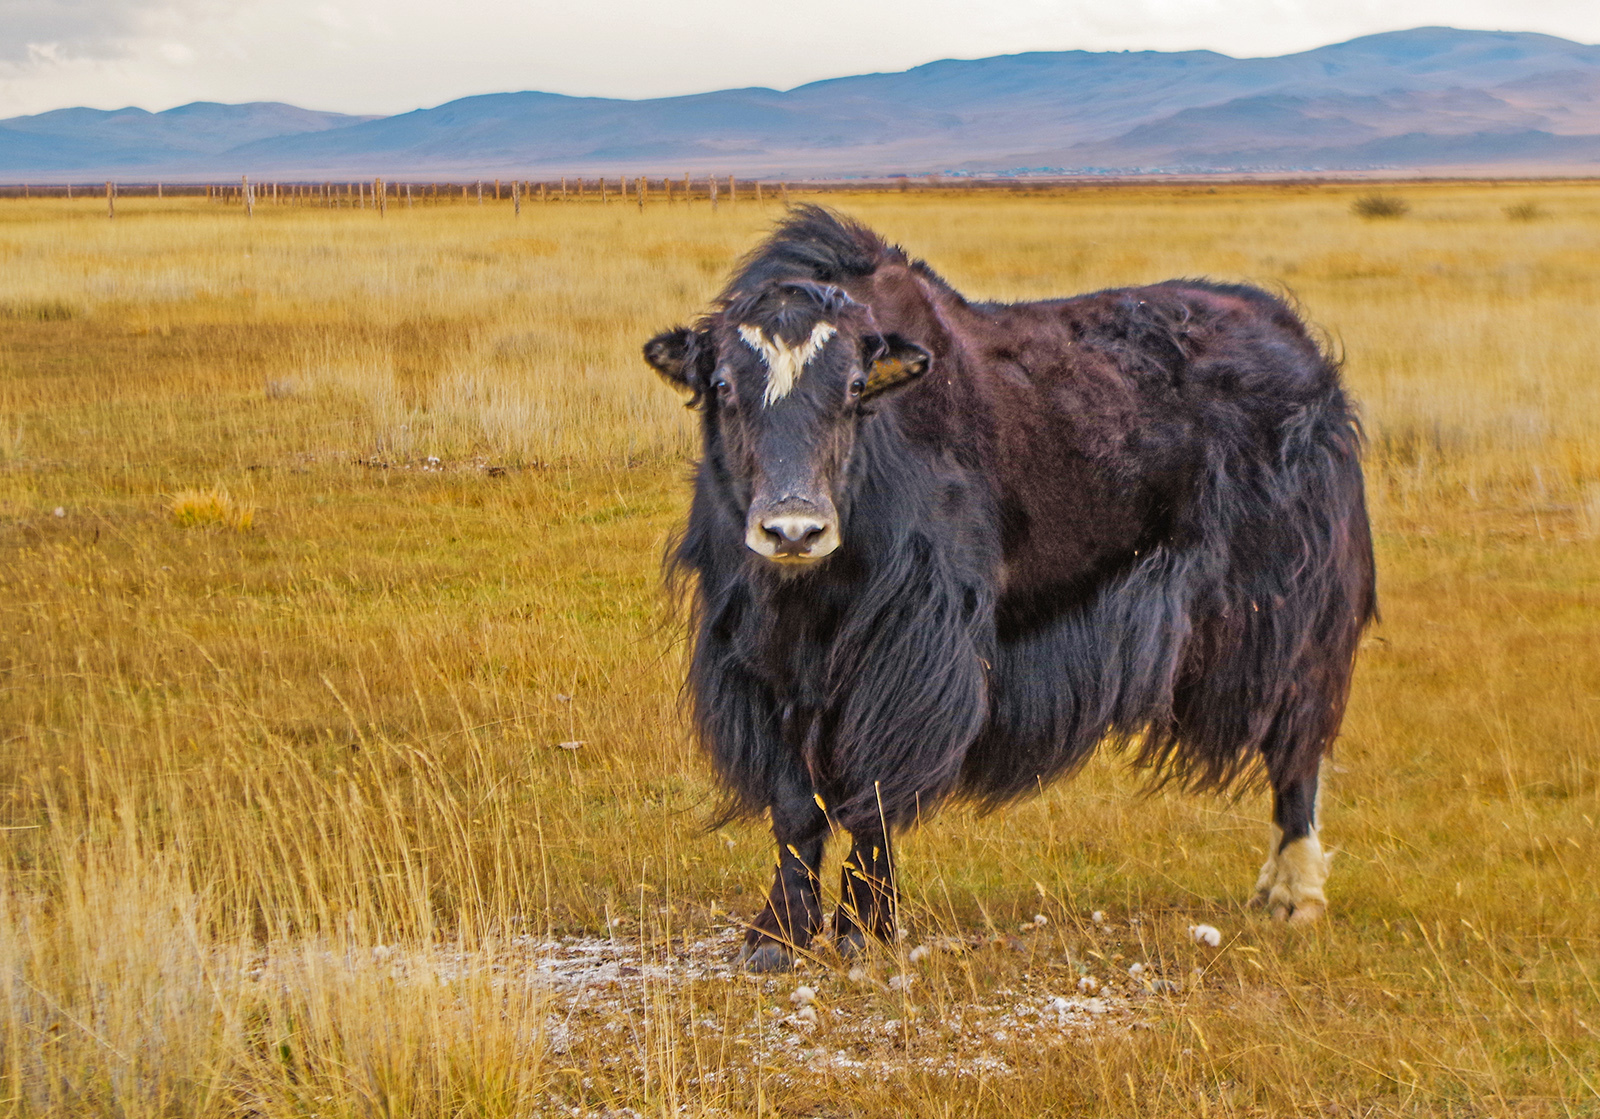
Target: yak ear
[(675, 354), (892, 361)]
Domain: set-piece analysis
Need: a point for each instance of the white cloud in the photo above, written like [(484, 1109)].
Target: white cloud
[(394, 55)]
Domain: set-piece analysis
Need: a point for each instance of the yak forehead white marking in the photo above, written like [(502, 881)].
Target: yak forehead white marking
[(785, 363)]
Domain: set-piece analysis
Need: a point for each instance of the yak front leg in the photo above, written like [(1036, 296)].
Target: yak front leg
[(867, 897), (793, 913)]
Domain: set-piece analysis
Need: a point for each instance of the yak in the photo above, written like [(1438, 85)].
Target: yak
[(943, 549)]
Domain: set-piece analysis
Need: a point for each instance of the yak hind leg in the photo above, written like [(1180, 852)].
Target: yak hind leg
[(1291, 881), (866, 894), (793, 912)]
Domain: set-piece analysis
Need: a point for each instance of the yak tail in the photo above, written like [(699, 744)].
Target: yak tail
[(1278, 615)]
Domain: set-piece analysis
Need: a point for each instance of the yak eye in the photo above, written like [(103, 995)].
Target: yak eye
[(722, 385), (857, 386)]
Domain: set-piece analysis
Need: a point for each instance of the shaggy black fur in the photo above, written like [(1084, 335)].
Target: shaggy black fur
[(1135, 516)]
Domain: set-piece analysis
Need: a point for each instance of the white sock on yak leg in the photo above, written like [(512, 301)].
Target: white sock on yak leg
[(1302, 871), (1269, 869)]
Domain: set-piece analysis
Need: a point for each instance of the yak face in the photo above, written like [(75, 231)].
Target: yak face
[(785, 375)]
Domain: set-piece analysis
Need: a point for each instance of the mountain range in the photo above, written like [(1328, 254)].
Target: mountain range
[(1427, 98)]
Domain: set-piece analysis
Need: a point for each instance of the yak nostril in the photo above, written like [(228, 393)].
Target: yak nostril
[(793, 534)]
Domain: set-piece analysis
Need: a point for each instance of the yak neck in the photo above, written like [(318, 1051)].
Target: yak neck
[(906, 302)]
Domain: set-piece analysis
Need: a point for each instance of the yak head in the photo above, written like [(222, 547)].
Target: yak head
[(786, 374)]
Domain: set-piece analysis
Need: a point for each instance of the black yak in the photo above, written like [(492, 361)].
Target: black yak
[(943, 549)]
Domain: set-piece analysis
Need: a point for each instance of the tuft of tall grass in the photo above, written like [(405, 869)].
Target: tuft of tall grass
[(210, 508)]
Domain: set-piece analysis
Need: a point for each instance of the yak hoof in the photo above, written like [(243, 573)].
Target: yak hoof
[(1306, 913), (1293, 894), (851, 944), (766, 957)]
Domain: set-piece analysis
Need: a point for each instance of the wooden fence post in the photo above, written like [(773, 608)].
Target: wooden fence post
[(111, 201), (380, 197), (640, 185), (249, 196), (733, 189), (758, 190), (688, 191), (516, 199), (480, 192), (603, 198), (711, 189)]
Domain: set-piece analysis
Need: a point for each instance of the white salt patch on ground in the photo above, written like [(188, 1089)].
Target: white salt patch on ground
[(600, 990)]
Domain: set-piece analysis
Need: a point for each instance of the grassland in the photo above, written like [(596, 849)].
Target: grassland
[(320, 533)]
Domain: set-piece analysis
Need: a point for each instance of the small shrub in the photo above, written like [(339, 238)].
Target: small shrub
[(212, 508), (39, 310), (1380, 206), (1526, 211)]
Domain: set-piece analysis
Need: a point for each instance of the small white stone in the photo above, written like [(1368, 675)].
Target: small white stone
[(803, 996), (858, 974), (1098, 916), (569, 745), (1136, 971), (901, 982), (919, 953), (1095, 1006), (1206, 934), (1060, 1005), (60, 511), (1088, 985), (616, 922), (1040, 920), (807, 1014)]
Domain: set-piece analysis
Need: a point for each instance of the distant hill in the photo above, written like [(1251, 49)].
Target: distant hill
[(1429, 97), (70, 139)]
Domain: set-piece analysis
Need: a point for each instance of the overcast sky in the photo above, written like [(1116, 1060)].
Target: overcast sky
[(387, 56)]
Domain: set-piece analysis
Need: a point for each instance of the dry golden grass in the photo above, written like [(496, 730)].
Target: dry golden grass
[(213, 507), (287, 831)]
